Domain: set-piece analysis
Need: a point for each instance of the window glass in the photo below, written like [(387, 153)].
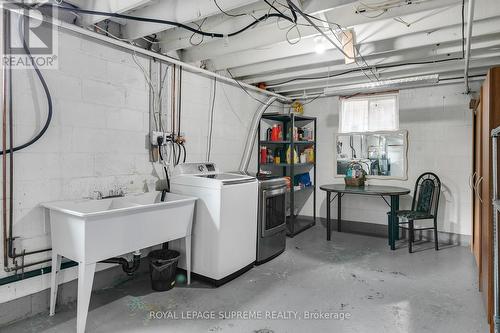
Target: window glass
[(368, 114)]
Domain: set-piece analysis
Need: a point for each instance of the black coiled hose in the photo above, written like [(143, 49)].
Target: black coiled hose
[(49, 102)]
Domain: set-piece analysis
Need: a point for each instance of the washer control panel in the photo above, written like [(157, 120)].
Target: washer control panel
[(195, 169)]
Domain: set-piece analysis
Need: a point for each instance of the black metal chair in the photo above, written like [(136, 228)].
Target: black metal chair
[(424, 206)]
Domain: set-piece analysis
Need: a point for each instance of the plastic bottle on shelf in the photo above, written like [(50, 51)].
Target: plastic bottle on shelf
[(275, 133), (289, 158), (263, 155), (270, 157)]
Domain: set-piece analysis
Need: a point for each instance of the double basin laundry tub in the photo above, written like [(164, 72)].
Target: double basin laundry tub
[(88, 231)]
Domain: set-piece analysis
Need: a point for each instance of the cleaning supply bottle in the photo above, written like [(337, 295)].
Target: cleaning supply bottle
[(275, 133), (289, 157), (263, 155)]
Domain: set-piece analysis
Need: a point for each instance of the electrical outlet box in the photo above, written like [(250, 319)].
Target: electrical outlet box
[(154, 137)]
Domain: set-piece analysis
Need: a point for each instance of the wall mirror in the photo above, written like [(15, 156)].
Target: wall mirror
[(383, 154)]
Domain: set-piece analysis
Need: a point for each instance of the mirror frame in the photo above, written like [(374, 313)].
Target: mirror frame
[(405, 159)]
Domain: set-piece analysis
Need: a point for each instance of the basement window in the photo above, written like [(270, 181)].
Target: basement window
[(369, 113)]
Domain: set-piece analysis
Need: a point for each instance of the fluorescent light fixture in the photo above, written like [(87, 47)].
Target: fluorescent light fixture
[(319, 45), (394, 84)]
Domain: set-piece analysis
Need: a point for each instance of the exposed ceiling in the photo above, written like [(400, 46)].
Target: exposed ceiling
[(409, 34)]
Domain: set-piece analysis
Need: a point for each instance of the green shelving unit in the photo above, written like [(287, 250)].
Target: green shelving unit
[(295, 223)]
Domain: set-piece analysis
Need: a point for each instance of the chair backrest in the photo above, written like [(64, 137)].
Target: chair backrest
[(426, 194)]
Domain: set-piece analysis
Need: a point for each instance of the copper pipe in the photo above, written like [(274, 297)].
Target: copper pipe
[(23, 266), (173, 97), (4, 155), (27, 253), (179, 102)]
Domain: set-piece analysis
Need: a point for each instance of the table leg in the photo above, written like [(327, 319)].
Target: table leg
[(396, 222), (389, 229), (85, 280), (393, 223), (339, 212), (328, 217)]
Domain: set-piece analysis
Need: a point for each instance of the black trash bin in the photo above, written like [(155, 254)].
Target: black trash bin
[(162, 267)]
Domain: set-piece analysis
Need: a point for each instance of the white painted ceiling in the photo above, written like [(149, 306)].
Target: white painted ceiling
[(276, 51)]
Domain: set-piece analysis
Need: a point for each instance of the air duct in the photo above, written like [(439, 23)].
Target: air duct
[(394, 84), (252, 134)]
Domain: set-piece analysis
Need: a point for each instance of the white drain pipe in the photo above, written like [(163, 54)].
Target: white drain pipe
[(252, 134), (470, 20)]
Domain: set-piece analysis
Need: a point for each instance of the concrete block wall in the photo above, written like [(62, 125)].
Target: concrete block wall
[(98, 137), (439, 125)]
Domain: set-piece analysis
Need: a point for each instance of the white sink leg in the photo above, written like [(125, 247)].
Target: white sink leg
[(188, 258), (85, 280), (54, 281)]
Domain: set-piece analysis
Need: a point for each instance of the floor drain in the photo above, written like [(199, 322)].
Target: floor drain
[(264, 330)]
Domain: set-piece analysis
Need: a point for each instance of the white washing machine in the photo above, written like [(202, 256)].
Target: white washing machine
[(225, 222)]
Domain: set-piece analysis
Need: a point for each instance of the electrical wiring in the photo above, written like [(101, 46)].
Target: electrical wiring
[(423, 17), (210, 129), (185, 153), (151, 86), (293, 7), (276, 9), (293, 12), (226, 13), (357, 70), (194, 34), (246, 91), (371, 68), (160, 94), (361, 12), (294, 21), (309, 101), (122, 39), (195, 31), (167, 22), (233, 15), (295, 26), (356, 48), (382, 7), (156, 93), (167, 178)]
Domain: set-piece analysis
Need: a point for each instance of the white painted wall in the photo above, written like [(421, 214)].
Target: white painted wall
[(98, 136), (439, 125)]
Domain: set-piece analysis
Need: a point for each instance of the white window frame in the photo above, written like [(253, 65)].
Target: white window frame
[(368, 98)]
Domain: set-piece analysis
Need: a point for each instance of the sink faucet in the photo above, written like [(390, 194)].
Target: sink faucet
[(113, 193)]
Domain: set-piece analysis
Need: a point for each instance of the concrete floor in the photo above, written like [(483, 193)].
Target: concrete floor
[(381, 290)]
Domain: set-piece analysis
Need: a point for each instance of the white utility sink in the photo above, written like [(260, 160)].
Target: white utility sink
[(88, 231)]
